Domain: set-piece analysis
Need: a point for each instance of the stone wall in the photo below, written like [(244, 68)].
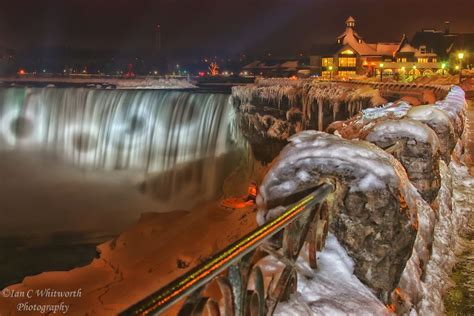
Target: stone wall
[(415, 141)]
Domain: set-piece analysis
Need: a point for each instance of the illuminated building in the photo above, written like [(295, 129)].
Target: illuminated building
[(425, 54)]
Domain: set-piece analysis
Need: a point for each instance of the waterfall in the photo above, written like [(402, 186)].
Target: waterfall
[(173, 133)]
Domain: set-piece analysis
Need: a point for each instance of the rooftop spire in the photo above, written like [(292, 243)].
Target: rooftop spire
[(350, 22)]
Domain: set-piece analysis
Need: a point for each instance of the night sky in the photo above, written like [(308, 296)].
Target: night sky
[(195, 27)]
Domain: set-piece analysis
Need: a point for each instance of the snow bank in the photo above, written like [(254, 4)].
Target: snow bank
[(98, 82), (424, 283), (333, 289)]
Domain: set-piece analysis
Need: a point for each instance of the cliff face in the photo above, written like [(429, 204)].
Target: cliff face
[(274, 109)]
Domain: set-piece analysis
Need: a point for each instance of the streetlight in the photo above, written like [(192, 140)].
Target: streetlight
[(381, 71), (330, 72), (461, 57), (443, 66)]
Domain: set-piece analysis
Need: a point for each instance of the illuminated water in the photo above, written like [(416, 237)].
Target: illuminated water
[(144, 130), (87, 163)]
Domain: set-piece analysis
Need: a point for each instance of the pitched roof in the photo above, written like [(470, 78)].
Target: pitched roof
[(350, 19), (386, 49), (463, 42), (435, 41)]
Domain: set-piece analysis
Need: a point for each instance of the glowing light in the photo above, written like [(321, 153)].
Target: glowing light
[(461, 55), (414, 66), (214, 69), (443, 65), (457, 67), (403, 68), (347, 52), (330, 68), (22, 72), (382, 65), (252, 190)]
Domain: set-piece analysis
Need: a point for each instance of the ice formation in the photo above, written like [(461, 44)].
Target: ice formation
[(314, 99)]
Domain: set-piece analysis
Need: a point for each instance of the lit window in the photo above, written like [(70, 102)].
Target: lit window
[(347, 61), (423, 60), (423, 49), (326, 74), (401, 60), (326, 62), (434, 60), (346, 73), (347, 52)]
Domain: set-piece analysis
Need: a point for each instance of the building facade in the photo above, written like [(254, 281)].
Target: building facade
[(429, 51)]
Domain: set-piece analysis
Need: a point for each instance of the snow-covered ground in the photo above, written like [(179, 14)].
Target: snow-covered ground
[(333, 290), (138, 83)]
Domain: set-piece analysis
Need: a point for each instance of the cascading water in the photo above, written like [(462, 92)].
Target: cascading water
[(146, 130), (181, 136), (74, 164)]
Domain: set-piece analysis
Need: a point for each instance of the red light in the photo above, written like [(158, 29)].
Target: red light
[(22, 72), (202, 74)]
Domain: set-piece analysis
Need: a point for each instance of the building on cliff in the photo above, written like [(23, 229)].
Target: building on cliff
[(429, 51)]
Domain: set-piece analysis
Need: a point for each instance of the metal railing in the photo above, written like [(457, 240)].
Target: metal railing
[(233, 267)]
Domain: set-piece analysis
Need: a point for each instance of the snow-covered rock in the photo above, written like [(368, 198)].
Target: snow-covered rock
[(418, 151), (374, 213)]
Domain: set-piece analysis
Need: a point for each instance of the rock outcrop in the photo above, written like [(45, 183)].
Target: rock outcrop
[(273, 110)]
